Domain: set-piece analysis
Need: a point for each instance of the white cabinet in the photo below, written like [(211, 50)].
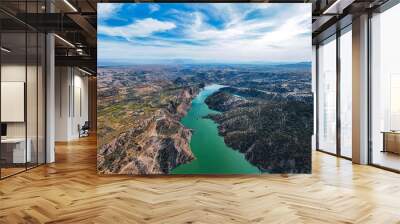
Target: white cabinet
[(19, 155)]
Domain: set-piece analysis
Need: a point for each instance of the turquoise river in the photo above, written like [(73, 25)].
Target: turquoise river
[(212, 155)]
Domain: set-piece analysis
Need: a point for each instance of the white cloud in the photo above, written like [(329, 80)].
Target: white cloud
[(277, 30), (201, 31), (240, 51), (107, 10), (269, 37), (139, 28), (154, 8)]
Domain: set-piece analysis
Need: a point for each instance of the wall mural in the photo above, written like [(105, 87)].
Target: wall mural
[(204, 88)]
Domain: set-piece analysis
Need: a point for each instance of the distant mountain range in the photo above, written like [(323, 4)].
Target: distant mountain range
[(296, 65), (197, 62)]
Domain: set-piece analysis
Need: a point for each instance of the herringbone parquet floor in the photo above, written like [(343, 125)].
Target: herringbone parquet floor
[(70, 191)]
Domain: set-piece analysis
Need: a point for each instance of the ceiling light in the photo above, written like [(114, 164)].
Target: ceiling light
[(70, 5), (65, 41), (337, 7), (79, 51), (5, 50), (86, 72)]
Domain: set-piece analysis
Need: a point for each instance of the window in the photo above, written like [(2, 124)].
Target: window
[(327, 96), (385, 89), (22, 77), (346, 93)]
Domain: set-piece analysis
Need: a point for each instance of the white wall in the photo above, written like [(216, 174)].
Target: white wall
[(80, 111), (71, 94), (62, 82), (17, 73), (12, 73), (33, 126)]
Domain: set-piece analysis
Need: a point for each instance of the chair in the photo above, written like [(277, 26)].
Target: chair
[(84, 130)]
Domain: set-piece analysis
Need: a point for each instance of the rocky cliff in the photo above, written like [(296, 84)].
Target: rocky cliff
[(273, 134), (155, 145)]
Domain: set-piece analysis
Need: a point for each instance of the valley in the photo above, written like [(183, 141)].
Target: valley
[(264, 112)]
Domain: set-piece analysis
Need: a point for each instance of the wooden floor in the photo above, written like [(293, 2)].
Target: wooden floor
[(70, 191), (5, 172), (387, 159)]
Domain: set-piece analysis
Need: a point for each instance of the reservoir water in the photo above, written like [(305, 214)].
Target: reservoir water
[(212, 155)]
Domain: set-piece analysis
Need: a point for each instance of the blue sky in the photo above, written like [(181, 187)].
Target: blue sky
[(130, 33)]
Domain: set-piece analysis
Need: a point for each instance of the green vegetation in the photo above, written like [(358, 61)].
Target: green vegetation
[(266, 114), (273, 133)]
